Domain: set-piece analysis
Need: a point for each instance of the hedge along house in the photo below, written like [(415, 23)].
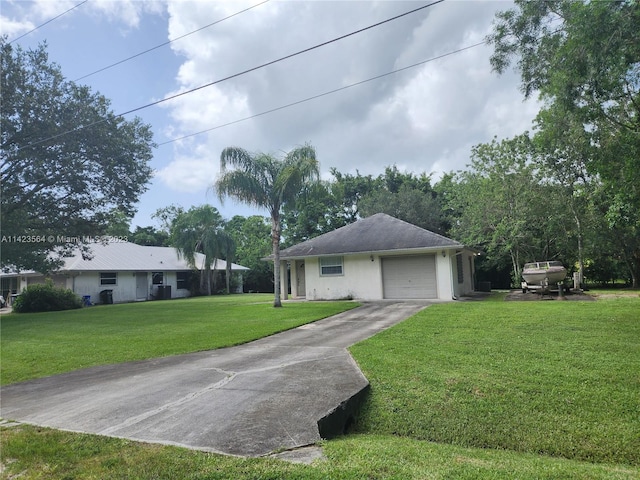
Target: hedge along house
[(376, 258), (132, 272)]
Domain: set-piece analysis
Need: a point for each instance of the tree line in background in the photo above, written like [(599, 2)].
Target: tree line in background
[(568, 190), (506, 204)]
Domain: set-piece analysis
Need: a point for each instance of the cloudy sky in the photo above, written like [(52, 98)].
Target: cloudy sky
[(422, 119)]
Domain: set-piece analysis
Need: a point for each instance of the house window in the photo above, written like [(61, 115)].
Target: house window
[(109, 278), (460, 269), (330, 266), (157, 278), (182, 280)]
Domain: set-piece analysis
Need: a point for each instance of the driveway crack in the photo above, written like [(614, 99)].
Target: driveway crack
[(176, 403)]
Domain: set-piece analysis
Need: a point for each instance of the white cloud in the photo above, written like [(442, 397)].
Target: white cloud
[(26, 15), (14, 28), (188, 174), (425, 119), (127, 12)]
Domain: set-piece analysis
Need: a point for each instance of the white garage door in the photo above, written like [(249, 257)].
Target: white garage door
[(409, 277)]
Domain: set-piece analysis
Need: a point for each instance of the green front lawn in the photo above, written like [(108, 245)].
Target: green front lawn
[(31, 453), (478, 390), (40, 344), (554, 378)]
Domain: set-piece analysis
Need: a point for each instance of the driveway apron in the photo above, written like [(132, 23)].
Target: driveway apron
[(248, 400)]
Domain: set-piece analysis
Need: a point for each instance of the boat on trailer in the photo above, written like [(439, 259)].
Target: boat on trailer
[(543, 275)]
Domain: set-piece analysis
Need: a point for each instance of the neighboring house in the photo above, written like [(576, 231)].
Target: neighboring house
[(132, 272), (379, 257)]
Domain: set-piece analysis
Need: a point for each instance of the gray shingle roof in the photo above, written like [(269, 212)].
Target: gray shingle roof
[(377, 233)]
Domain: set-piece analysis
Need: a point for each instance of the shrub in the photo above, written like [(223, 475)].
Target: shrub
[(46, 298)]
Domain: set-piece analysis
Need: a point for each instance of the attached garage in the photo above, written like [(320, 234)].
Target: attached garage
[(376, 258), (409, 277)]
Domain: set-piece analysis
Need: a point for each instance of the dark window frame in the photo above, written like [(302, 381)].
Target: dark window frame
[(154, 278), (183, 279), (108, 278)]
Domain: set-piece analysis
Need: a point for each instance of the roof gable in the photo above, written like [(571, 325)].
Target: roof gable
[(377, 233)]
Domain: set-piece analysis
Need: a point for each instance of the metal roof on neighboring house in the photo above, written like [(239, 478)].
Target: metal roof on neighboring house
[(377, 233), (126, 256)]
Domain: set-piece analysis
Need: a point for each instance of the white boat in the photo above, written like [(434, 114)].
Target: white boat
[(543, 274)]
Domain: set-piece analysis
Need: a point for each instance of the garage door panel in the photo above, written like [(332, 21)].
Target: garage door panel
[(411, 277)]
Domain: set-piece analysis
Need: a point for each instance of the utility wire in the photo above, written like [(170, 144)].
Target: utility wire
[(286, 57), (308, 99), (48, 21), (244, 72), (168, 42)]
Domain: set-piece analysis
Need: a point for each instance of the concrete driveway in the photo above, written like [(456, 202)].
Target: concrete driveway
[(247, 400)]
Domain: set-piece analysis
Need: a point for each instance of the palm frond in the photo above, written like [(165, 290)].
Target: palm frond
[(235, 156)]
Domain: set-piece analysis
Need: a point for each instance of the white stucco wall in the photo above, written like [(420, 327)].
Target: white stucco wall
[(88, 283), (125, 289), (361, 279), (443, 276), (468, 274)]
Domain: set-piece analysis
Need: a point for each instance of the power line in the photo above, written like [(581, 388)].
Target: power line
[(308, 99), (286, 57), (244, 72), (168, 42), (48, 21)]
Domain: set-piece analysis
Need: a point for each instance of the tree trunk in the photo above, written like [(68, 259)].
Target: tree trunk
[(634, 269), (515, 262), (580, 246), (275, 242)]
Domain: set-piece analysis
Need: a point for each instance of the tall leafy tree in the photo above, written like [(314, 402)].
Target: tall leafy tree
[(408, 204), (149, 236), (351, 189), (267, 182), (405, 196), (325, 206), (583, 59), (504, 208), (67, 162), (564, 151), (252, 238), (581, 55), (317, 210)]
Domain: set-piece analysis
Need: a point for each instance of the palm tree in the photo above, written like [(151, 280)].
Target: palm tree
[(199, 230), (264, 181), (228, 248)]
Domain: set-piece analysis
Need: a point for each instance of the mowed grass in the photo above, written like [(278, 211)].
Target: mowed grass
[(29, 452), (553, 378), (42, 344), (529, 383)]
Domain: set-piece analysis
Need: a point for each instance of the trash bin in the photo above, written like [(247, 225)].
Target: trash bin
[(106, 297), (164, 292), (86, 300)]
